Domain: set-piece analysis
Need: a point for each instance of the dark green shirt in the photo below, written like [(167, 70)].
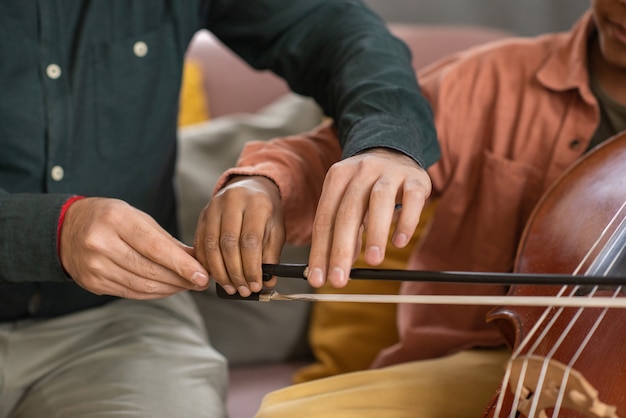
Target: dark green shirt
[(90, 99)]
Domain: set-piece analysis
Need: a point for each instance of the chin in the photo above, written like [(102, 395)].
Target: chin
[(615, 57), (613, 51)]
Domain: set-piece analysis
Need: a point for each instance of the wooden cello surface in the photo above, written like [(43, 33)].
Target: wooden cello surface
[(570, 362)]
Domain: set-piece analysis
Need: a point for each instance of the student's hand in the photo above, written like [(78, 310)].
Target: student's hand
[(361, 192), (241, 228), (110, 248)]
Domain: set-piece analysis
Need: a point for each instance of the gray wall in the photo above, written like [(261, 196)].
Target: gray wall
[(525, 17)]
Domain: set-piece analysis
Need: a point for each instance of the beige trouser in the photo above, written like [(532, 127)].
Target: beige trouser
[(127, 358), (458, 386)]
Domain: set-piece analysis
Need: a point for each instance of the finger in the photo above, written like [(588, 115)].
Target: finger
[(359, 243), (414, 195), (135, 267), (207, 243), (153, 243), (261, 241), (231, 240), (146, 269), (271, 282), (323, 227), (241, 242), (138, 287), (112, 288), (380, 216), (406, 224), (189, 250), (274, 242), (108, 278), (346, 234)]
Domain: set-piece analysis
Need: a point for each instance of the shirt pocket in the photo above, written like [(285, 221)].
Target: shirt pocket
[(507, 192), (137, 81)]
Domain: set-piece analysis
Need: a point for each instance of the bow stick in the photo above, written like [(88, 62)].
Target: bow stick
[(299, 271)]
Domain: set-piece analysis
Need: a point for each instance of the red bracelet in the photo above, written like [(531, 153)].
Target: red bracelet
[(64, 209)]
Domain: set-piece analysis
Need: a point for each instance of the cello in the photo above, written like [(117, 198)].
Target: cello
[(570, 361)]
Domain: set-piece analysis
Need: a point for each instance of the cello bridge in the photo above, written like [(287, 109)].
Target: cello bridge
[(545, 381)]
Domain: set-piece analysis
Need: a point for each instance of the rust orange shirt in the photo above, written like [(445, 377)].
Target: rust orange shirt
[(511, 116)]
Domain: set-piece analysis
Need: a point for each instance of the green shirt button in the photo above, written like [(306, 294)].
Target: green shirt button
[(57, 173), (140, 49), (53, 71)]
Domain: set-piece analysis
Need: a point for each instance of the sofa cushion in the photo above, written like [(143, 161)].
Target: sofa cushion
[(194, 103)]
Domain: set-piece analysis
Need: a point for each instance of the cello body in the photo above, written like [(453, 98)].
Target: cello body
[(570, 362)]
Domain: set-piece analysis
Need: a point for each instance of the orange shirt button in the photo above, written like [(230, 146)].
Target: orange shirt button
[(574, 144)]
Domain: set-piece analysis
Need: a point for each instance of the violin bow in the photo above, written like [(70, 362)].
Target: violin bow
[(299, 271)]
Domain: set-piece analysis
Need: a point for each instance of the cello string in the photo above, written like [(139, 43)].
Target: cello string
[(576, 356), (539, 322), (610, 226), (515, 355), (522, 377), (540, 382), (547, 358), (570, 366), (527, 339), (599, 260), (615, 247), (506, 380)]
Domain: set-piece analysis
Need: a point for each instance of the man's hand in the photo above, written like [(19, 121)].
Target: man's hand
[(241, 228), (111, 248), (362, 192)]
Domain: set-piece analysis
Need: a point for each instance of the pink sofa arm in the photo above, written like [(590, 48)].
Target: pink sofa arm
[(231, 85), (428, 43)]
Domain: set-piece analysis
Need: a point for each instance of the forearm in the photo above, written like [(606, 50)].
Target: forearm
[(343, 55)]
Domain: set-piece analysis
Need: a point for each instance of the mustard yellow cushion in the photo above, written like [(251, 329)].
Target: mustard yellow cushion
[(346, 337), (194, 105)]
